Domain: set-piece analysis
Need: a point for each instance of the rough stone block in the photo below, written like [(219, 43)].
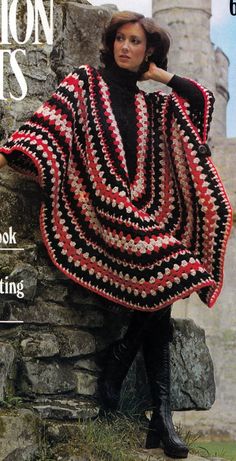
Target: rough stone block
[(41, 313), (39, 377), (9, 261), (11, 202), (192, 372), (75, 47), (75, 343), (47, 272), (40, 345), (19, 435), (56, 293), (80, 296), (7, 367), (27, 274), (86, 383), (86, 364), (67, 409)]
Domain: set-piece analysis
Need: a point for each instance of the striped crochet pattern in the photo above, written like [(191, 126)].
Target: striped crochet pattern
[(143, 244)]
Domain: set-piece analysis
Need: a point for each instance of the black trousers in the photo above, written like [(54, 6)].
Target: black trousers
[(144, 325)]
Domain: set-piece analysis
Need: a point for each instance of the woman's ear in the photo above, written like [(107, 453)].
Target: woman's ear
[(150, 51)]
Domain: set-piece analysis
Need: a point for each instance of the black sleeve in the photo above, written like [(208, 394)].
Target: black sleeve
[(187, 90)]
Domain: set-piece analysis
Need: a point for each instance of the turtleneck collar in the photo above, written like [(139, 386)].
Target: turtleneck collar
[(122, 77)]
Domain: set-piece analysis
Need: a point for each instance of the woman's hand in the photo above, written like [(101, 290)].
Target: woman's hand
[(3, 161), (157, 74)]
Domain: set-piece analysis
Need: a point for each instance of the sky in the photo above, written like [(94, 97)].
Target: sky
[(223, 35)]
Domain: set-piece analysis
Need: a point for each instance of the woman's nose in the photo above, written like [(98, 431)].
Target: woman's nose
[(125, 45)]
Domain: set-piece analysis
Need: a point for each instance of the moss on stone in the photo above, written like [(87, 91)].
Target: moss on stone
[(2, 427)]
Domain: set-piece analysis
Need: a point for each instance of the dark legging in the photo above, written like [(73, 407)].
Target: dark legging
[(145, 324)]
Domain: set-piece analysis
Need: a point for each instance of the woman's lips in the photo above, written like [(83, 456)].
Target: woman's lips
[(122, 56)]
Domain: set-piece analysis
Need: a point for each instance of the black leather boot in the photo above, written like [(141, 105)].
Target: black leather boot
[(117, 361), (157, 361)]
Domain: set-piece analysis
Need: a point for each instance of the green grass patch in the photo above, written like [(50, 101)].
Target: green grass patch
[(11, 402), (219, 449), (119, 438), (111, 440)]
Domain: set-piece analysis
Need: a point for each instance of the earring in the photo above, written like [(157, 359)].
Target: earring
[(146, 57)]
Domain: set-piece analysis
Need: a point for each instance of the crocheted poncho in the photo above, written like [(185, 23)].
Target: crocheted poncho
[(142, 244)]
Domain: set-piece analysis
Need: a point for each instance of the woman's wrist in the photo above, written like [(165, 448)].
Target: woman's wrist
[(162, 76), (157, 74)]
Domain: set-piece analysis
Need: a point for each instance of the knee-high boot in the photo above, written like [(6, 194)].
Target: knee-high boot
[(118, 359), (157, 361)]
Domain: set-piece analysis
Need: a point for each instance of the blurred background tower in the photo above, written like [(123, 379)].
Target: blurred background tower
[(192, 52)]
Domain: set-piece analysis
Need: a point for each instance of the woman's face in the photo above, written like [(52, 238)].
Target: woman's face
[(130, 46)]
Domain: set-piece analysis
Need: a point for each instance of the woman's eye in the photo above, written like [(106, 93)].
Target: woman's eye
[(136, 41), (119, 38)]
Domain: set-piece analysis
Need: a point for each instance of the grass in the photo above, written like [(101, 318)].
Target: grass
[(11, 402), (220, 449), (44, 451), (118, 438), (113, 439), (208, 449)]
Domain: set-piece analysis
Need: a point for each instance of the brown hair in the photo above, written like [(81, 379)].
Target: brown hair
[(157, 38)]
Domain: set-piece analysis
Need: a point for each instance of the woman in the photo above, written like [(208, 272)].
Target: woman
[(132, 201)]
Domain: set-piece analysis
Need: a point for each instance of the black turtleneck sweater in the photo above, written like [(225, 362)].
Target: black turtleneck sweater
[(122, 85)]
